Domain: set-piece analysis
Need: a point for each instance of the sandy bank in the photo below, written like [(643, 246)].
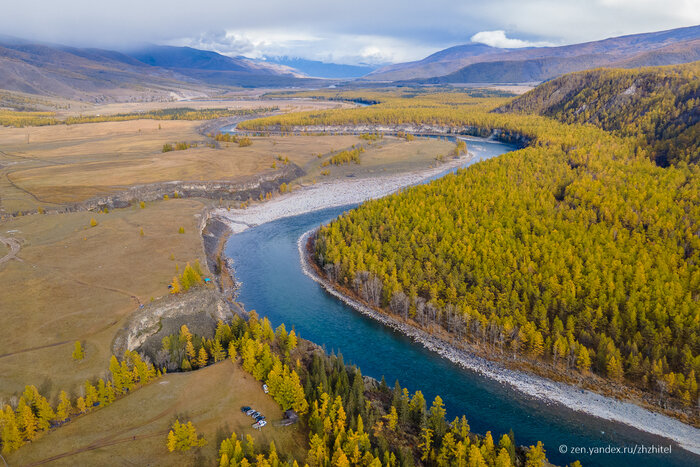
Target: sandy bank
[(328, 194)]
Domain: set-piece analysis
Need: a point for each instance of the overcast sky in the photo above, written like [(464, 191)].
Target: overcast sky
[(349, 31)]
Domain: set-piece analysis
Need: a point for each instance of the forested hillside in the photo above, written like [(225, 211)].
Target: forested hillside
[(658, 106), (578, 249)]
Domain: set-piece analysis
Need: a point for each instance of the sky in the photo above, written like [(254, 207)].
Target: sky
[(352, 32)]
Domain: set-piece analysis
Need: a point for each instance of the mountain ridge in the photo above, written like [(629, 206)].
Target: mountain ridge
[(452, 65), (148, 73)]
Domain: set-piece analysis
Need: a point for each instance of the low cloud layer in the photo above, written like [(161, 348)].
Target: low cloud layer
[(331, 48), (361, 31), (500, 40)]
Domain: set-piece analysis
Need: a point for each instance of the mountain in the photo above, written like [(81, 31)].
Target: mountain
[(322, 69), (479, 63), (190, 61), (153, 72), (437, 64), (660, 100)]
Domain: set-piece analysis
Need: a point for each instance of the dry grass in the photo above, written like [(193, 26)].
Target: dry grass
[(132, 431), (75, 182), (66, 164), (77, 282), (241, 100), (100, 158), (389, 155)]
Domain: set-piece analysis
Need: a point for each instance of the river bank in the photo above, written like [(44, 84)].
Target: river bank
[(329, 194), (351, 191), (574, 398), (346, 192)]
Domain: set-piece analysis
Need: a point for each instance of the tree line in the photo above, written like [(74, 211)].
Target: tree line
[(349, 422), (34, 414)]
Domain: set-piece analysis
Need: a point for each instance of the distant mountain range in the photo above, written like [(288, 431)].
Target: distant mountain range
[(151, 72), (322, 69), (162, 72), (479, 63)]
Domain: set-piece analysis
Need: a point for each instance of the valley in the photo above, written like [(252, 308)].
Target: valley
[(487, 257)]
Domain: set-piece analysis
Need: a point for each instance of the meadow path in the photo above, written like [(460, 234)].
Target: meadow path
[(13, 245)]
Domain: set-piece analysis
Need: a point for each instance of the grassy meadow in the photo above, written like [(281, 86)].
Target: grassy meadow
[(133, 430), (77, 282)]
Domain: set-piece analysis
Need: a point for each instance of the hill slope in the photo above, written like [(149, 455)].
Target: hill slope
[(154, 73), (480, 63), (577, 253), (657, 105)]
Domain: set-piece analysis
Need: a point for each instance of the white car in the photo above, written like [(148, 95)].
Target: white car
[(265, 388)]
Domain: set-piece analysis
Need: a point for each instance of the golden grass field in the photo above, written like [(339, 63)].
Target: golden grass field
[(66, 164), (238, 100), (389, 155), (133, 430), (76, 282)]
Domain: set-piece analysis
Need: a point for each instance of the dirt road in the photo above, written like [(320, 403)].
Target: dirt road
[(13, 245)]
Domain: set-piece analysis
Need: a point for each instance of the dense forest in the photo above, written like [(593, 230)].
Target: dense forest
[(658, 106), (349, 421), (577, 249)]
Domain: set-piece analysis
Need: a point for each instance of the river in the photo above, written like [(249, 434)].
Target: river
[(266, 261)]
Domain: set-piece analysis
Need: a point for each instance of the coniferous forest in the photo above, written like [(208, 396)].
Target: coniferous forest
[(582, 249)]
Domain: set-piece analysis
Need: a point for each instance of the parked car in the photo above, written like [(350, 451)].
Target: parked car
[(265, 388), (262, 423), (260, 417), (245, 409), (250, 412), (255, 414)]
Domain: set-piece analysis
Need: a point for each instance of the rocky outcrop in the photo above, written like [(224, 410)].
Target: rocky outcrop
[(215, 232), (199, 309), (239, 190)]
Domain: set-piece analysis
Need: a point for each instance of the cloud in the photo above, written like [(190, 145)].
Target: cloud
[(361, 30), (350, 49), (500, 40)]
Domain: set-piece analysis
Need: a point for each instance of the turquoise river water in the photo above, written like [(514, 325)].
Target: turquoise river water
[(266, 261)]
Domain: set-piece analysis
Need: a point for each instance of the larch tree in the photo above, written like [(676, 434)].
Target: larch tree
[(78, 352), (64, 407), (202, 358)]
